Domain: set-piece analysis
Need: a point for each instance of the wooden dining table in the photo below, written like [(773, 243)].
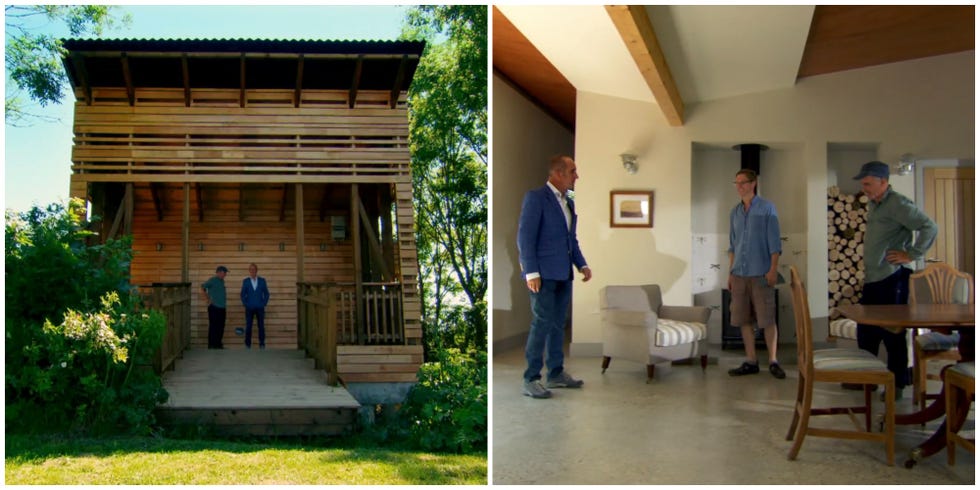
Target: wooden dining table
[(957, 317)]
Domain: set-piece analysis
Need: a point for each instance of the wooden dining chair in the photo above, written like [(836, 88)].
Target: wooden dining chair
[(960, 381), (836, 365), (938, 283)]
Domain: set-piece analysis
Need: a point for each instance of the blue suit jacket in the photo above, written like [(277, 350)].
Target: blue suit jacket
[(545, 243), (255, 298)]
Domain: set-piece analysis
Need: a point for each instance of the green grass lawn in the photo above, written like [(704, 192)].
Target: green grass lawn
[(52, 460)]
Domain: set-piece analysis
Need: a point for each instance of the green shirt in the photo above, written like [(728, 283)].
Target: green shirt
[(890, 226), (215, 288)]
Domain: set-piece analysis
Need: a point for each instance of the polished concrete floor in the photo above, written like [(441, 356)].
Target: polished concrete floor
[(688, 428)]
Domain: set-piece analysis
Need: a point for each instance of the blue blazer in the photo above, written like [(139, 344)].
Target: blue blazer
[(545, 243), (255, 298)]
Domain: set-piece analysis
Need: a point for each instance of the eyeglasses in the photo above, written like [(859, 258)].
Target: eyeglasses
[(742, 182)]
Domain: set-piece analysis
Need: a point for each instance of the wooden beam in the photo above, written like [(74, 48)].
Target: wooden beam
[(637, 32), (79, 61), (129, 199), (399, 78), (282, 204), (128, 78), (355, 82), (158, 200), (300, 233), (355, 200), (373, 245), (298, 95), (186, 72), (200, 203), (118, 219), (185, 233), (242, 81)]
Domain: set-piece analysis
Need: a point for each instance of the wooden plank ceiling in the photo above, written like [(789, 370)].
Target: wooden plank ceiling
[(841, 37)]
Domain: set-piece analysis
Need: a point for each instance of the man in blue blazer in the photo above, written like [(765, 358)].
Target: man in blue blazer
[(255, 295), (548, 249)]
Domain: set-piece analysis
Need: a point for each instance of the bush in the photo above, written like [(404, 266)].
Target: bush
[(78, 347), (447, 409)]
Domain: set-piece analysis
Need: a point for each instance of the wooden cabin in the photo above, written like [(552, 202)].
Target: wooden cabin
[(293, 155)]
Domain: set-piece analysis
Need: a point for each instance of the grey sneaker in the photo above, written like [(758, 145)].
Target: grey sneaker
[(564, 380), (535, 389)]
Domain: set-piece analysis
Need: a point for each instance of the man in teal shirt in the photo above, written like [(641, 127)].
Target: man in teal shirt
[(214, 294), (889, 246)]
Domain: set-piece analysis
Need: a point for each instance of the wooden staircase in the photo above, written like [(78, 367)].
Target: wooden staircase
[(255, 392)]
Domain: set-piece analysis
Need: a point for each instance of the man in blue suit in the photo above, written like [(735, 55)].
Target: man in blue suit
[(255, 295), (548, 249)]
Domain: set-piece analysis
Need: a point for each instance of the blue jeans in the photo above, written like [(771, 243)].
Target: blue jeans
[(249, 314), (549, 306), (892, 290)]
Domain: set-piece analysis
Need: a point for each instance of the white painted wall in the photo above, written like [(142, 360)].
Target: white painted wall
[(523, 140), (925, 107)]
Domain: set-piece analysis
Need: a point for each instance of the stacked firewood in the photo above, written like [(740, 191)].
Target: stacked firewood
[(845, 247)]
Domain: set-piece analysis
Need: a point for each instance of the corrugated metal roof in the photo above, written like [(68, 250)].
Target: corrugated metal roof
[(249, 45)]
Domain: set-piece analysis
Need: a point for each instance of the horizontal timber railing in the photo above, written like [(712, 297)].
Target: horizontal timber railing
[(174, 300)]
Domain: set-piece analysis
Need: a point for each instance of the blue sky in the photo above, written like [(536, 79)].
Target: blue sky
[(37, 161)]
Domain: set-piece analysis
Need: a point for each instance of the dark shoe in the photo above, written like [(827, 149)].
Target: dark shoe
[(262, 346), (777, 371), (564, 380), (744, 369), (857, 386)]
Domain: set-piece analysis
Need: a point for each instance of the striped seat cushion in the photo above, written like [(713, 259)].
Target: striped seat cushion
[(930, 341), (846, 360), (674, 332), (844, 328), (964, 368)]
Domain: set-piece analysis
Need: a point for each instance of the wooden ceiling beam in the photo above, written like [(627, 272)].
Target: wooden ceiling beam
[(355, 83), (242, 78), (298, 95), (637, 32), (79, 61), (156, 190), (128, 78), (186, 72), (399, 78)]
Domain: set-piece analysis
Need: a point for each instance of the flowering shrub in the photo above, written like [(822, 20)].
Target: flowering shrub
[(78, 347)]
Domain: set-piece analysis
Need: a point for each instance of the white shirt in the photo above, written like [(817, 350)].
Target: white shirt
[(255, 283)]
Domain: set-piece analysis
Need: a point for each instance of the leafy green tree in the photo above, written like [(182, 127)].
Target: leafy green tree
[(448, 127), (33, 58)]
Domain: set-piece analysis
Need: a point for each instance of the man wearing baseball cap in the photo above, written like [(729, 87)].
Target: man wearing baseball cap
[(889, 249), (214, 295)]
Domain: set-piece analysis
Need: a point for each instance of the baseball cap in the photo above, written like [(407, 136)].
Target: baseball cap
[(874, 169)]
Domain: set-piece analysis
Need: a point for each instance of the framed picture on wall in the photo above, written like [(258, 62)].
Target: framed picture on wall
[(631, 209)]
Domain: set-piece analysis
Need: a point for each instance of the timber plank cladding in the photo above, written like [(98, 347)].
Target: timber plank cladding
[(293, 155)]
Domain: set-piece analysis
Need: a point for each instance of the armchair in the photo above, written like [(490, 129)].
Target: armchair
[(636, 325)]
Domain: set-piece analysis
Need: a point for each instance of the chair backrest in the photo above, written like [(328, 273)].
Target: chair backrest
[(624, 298), (940, 283), (801, 313)]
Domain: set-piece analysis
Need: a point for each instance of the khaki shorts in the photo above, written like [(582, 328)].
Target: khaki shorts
[(753, 302)]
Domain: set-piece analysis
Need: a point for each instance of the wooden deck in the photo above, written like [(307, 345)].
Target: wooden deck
[(255, 392)]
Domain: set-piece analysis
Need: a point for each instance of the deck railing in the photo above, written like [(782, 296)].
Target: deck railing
[(317, 311), (174, 300)]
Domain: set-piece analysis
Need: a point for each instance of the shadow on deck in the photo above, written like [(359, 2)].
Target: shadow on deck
[(255, 392)]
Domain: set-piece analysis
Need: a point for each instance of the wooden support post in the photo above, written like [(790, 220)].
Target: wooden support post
[(330, 323), (185, 236), (355, 227), (300, 245), (129, 203)]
